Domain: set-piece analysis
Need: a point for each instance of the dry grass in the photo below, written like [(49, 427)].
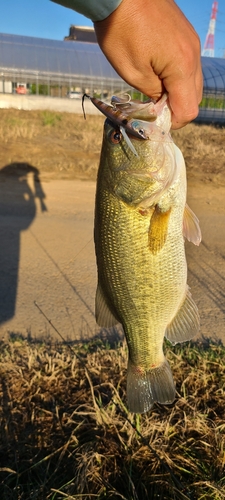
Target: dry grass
[(66, 434), (65, 431), (66, 146), (203, 150), (58, 144)]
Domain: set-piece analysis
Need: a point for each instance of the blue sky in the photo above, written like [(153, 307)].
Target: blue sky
[(43, 18)]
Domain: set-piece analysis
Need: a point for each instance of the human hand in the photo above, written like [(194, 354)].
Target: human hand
[(154, 48)]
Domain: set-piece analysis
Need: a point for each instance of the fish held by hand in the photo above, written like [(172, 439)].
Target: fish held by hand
[(141, 219)]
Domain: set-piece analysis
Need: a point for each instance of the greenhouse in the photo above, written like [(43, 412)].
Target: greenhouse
[(55, 68), (212, 108)]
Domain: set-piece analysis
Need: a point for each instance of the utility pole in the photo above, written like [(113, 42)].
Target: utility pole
[(208, 49)]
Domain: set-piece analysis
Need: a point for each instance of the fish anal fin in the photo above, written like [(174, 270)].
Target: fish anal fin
[(144, 388), (158, 230), (185, 325), (191, 227), (103, 315)]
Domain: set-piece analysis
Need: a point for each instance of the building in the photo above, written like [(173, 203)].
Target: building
[(55, 68), (81, 34)]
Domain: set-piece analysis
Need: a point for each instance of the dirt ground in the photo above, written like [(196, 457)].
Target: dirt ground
[(47, 252)]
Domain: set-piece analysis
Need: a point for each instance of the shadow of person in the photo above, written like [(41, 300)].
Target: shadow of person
[(20, 186)]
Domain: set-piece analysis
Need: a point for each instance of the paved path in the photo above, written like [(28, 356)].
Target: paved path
[(48, 257)]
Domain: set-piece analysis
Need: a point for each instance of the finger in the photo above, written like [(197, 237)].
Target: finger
[(199, 85), (147, 83), (184, 102), (184, 97)]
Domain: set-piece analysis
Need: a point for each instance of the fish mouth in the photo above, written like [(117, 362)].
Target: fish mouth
[(134, 121), (119, 116)]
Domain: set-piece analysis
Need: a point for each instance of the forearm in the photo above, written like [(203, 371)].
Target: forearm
[(94, 10)]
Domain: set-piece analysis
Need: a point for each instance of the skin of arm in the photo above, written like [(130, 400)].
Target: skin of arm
[(154, 48)]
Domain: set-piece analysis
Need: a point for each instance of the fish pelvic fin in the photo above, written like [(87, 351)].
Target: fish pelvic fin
[(144, 388), (191, 228), (158, 230), (185, 325), (104, 317)]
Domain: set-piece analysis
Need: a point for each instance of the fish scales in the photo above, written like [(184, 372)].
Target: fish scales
[(142, 282), (125, 261)]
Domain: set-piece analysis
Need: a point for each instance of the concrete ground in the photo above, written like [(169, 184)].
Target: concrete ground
[(33, 102), (47, 257)]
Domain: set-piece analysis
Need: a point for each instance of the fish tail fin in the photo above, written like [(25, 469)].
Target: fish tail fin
[(144, 388)]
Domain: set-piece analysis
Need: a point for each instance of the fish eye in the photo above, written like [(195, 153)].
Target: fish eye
[(141, 132), (115, 136)]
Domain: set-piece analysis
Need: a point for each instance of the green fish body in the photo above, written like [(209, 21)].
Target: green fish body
[(141, 218)]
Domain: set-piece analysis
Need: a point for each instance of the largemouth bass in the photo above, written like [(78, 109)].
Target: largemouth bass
[(141, 218)]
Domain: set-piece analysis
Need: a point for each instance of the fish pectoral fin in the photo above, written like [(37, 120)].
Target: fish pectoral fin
[(158, 229), (144, 388), (103, 315), (185, 325), (191, 228)]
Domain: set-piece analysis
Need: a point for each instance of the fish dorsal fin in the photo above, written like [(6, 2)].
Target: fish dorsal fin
[(185, 325), (103, 315), (191, 228), (158, 230)]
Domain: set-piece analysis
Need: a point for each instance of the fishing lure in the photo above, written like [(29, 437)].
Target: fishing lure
[(121, 118), (134, 118)]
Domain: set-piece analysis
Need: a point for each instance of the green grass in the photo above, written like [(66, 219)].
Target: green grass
[(213, 102), (66, 432), (50, 118)]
